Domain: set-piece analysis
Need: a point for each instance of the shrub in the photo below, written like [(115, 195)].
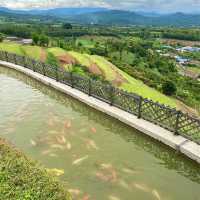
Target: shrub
[(169, 88)]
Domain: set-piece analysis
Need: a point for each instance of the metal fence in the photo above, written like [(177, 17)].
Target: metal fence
[(176, 121)]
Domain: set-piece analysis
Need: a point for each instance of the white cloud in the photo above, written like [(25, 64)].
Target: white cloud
[(146, 5)]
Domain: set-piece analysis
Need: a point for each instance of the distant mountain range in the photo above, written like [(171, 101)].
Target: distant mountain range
[(105, 16), (58, 12)]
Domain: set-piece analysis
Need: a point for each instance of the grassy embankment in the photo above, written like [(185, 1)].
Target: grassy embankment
[(94, 63), (23, 179)]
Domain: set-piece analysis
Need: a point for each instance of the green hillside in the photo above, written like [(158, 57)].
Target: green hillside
[(95, 64)]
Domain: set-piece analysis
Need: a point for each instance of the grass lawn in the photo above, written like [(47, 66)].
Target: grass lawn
[(23, 179), (105, 66), (56, 51), (11, 47), (31, 51), (86, 43), (28, 51), (83, 59), (195, 69)]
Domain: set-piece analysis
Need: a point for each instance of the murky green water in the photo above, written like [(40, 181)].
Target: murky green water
[(101, 158)]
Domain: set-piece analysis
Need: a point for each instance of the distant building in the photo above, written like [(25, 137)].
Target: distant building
[(19, 40), (188, 49), (27, 41), (167, 47), (181, 60), (11, 38)]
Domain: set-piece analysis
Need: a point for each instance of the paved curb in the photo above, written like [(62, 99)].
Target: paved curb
[(185, 146)]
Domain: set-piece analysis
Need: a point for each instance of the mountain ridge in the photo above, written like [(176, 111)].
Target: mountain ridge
[(104, 16)]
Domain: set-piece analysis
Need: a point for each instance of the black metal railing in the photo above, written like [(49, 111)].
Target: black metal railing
[(176, 121)]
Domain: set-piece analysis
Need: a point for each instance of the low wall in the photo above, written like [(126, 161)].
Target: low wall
[(177, 142)]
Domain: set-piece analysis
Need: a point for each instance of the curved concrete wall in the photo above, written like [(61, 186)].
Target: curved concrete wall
[(179, 143)]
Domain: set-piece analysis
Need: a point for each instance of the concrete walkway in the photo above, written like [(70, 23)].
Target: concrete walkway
[(185, 146)]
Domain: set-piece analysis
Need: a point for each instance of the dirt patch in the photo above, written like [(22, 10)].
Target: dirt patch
[(93, 68), (181, 42), (66, 59), (119, 80), (43, 55), (186, 109)]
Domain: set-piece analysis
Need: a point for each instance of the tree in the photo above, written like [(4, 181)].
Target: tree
[(1, 37), (169, 88), (67, 26), (44, 40), (35, 38)]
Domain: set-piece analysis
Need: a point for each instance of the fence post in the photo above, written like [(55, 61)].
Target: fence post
[(140, 107), (178, 115), (90, 86), (112, 90), (15, 58), (71, 79), (33, 62), (6, 56), (43, 69), (24, 61), (57, 73)]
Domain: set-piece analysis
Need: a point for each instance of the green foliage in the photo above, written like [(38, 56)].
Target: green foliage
[(44, 40), (1, 37), (169, 88), (35, 38), (52, 60), (182, 34), (23, 179), (67, 26)]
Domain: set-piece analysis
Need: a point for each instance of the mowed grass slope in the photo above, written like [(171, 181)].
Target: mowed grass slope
[(109, 71), (31, 51), (128, 83)]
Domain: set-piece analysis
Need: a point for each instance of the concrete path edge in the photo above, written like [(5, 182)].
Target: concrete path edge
[(179, 143)]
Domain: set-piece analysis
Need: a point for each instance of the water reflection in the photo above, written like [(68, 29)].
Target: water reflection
[(168, 158)]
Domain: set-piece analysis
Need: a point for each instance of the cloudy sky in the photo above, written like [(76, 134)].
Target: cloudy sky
[(142, 5)]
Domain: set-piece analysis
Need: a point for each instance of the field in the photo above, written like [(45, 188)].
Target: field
[(95, 64), (88, 43), (180, 42)]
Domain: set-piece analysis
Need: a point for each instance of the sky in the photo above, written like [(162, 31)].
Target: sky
[(189, 6)]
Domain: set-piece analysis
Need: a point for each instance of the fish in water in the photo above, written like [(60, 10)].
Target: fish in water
[(103, 177), (56, 172), (156, 194), (128, 171), (93, 130), (111, 197), (75, 192), (86, 197), (80, 160), (57, 146), (67, 124), (33, 143), (91, 144), (61, 139), (69, 146), (105, 166), (141, 187), (107, 173), (53, 155), (124, 185), (46, 152)]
